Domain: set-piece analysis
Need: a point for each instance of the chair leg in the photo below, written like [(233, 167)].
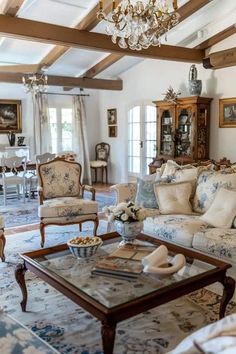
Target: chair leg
[(96, 175), (96, 223), (102, 173), (106, 175), (2, 246), (42, 233), (5, 195), (18, 191), (24, 191)]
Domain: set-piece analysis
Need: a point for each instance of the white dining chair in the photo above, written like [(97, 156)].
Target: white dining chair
[(13, 175)]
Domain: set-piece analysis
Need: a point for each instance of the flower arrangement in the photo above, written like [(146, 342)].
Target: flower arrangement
[(126, 212)]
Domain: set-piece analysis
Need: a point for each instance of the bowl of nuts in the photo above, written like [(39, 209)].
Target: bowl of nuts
[(84, 246)]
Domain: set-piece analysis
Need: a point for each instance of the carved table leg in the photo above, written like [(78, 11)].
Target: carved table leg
[(20, 278), (108, 337), (229, 287), (2, 246)]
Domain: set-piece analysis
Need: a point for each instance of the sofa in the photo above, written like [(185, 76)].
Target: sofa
[(218, 337), (194, 207)]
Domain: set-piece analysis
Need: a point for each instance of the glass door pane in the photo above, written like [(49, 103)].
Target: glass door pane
[(150, 147), (183, 138), (141, 139), (66, 121), (167, 129), (134, 143)]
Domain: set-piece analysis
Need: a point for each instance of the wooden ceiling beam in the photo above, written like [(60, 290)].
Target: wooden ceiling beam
[(221, 59), (191, 7), (102, 65), (20, 68), (68, 81), (48, 33), (184, 11), (11, 7), (227, 32), (89, 22)]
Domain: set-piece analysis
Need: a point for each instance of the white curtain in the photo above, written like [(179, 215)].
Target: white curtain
[(42, 130), (80, 140)]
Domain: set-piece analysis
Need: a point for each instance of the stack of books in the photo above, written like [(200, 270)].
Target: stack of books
[(125, 262)]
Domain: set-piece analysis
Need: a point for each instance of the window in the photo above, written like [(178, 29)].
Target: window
[(61, 129), (141, 139)]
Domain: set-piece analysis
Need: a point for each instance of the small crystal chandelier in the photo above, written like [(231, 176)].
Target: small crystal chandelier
[(35, 83), (139, 24)]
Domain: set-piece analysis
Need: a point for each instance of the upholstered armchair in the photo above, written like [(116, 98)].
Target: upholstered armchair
[(62, 196)]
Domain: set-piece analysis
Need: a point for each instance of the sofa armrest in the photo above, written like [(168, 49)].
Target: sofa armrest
[(125, 192)]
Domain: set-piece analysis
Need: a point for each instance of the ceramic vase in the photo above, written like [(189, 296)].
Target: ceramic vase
[(195, 87), (128, 230), (11, 138)]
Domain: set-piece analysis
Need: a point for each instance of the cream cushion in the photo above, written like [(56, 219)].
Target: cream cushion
[(67, 207), (173, 198), (186, 174), (223, 209), (98, 163), (170, 168)]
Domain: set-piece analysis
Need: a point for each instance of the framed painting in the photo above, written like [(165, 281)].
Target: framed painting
[(10, 116), (112, 131), (227, 110), (111, 116)]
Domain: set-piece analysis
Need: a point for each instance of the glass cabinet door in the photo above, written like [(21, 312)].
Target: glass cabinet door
[(166, 145), (183, 134)]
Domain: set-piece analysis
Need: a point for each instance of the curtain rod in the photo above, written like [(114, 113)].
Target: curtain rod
[(65, 94)]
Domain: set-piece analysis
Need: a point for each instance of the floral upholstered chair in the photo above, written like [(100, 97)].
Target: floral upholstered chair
[(62, 196)]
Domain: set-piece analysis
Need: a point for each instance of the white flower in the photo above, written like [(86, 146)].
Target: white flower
[(124, 217), (126, 212)]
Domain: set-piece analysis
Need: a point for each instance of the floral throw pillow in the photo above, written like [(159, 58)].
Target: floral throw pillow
[(145, 196)]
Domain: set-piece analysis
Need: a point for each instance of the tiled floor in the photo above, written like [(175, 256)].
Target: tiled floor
[(99, 188)]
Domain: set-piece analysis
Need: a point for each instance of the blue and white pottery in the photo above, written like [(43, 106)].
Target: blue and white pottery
[(128, 230)]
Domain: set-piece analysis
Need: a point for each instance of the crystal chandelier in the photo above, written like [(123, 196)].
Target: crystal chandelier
[(35, 83), (139, 24)]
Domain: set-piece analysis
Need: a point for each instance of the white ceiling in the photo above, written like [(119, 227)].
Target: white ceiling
[(211, 19)]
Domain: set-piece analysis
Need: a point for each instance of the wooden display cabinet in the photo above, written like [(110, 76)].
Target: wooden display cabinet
[(183, 129)]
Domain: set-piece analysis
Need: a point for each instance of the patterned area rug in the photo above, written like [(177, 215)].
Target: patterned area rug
[(17, 213), (71, 330)]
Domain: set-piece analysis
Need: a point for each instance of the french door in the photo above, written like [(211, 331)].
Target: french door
[(141, 139)]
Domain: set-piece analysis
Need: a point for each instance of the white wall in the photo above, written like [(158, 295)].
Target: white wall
[(13, 91)]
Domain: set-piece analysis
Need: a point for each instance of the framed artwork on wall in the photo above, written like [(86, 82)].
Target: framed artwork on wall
[(112, 131), (111, 116), (10, 116), (227, 111)]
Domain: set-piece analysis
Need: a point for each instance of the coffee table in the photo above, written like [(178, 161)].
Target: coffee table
[(112, 303)]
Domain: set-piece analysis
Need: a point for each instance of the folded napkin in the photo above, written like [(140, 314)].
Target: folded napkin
[(157, 262)]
